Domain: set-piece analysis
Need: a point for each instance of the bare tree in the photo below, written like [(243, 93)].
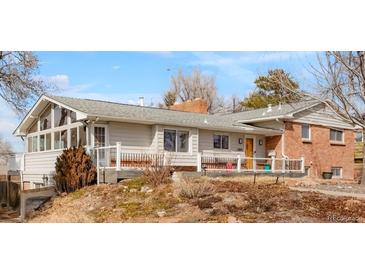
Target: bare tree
[(341, 79), (196, 85), (18, 84), (5, 149)]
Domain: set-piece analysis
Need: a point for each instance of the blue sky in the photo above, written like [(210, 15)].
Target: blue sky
[(124, 76)]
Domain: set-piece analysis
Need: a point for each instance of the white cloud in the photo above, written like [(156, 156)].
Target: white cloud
[(115, 67)]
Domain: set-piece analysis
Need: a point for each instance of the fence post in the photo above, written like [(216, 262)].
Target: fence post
[(283, 165), (199, 162), (97, 166), (302, 168), (119, 144), (254, 164), (238, 163), (272, 164)]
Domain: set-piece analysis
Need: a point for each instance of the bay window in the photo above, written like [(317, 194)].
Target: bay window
[(176, 140)]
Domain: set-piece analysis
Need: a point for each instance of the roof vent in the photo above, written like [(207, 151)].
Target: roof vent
[(141, 101), (269, 109)]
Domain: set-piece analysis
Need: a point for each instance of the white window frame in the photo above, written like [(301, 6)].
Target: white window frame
[(336, 141), (309, 133), (341, 172), (93, 135), (177, 130), (222, 134)]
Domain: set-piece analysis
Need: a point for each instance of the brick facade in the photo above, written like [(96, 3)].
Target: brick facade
[(319, 154)]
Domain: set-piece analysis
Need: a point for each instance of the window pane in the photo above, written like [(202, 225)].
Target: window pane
[(56, 140), (30, 146), (336, 171), (46, 119), (183, 141), (99, 136), (225, 142), (33, 128), (73, 116), (332, 135), (48, 141), (305, 131), (35, 144), (339, 136), (41, 143), (82, 136), (169, 140), (358, 137), (217, 141), (60, 116), (64, 139), (74, 137)]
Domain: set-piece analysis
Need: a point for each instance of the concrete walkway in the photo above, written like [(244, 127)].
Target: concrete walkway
[(336, 193)]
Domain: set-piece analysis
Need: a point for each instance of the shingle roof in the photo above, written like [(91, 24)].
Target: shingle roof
[(151, 114), (262, 113)]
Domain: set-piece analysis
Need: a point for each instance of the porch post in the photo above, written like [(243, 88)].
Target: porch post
[(302, 168), (272, 163), (119, 144), (238, 163), (97, 166), (283, 165), (199, 162)]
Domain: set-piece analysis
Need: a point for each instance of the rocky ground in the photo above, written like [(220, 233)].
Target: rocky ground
[(200, 200)]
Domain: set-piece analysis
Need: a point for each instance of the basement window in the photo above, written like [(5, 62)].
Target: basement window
[(336, 172)]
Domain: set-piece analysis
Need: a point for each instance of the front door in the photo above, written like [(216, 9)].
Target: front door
[(249, 152)]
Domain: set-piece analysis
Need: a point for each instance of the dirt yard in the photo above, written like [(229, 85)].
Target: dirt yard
[(200, 200)]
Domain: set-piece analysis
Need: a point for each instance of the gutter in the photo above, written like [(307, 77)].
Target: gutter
[(287, 116)]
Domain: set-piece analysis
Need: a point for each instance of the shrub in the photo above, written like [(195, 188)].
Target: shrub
[(74, 170), (195, 190), (156, 172)]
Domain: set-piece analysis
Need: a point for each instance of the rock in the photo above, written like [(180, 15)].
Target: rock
[(232, 219), (161, 213), (145, 189), (133, 190)]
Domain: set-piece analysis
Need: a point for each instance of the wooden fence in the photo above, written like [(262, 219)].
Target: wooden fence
[(10, 191)]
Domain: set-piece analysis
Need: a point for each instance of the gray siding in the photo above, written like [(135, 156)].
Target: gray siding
[(132, 136), (321, 115), (38, 163)]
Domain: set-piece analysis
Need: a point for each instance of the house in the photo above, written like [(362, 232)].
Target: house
[(303, 138)]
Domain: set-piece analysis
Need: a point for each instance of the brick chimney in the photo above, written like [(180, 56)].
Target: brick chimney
[(197, 105)]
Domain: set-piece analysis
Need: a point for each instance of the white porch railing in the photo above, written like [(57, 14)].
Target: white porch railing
[(114, 157)]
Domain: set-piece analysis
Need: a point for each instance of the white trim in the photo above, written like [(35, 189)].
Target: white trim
[(106, 134), (222, 134), (190, 139), (341, 172), (254, 144), (309, 139)]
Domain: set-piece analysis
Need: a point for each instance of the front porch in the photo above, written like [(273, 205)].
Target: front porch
[(118, 160)]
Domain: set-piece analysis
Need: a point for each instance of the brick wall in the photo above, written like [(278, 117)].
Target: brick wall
[(197, 105), (319, 154)]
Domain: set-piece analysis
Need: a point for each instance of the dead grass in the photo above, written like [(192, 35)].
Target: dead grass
[(200, 200)]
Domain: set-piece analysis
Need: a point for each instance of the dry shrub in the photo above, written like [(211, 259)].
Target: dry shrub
[(156, 172), (192, 190), (74, 170)]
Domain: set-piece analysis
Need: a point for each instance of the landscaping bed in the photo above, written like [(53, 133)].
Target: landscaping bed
[(199, 200)]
